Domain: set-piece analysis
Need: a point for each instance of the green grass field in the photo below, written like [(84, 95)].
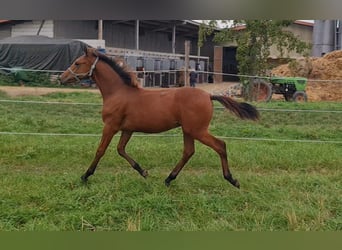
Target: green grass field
[(285, 185)]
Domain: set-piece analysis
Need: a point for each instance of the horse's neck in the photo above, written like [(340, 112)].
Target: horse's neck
[(107, 81)]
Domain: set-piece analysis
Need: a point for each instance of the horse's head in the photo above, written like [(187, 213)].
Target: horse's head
[(81, 68)]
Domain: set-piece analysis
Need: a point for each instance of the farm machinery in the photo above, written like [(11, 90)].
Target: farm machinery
[(292, 88)]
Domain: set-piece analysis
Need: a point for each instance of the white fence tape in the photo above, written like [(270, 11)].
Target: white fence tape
[(100, 104), (174, 135)]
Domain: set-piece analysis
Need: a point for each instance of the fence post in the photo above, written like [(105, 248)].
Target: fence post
[(186, 63)]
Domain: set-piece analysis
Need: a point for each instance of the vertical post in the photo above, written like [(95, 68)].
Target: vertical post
[(174, 39), (198, 64), (186, 63), (137, 35), (100, 30), (217, 67)]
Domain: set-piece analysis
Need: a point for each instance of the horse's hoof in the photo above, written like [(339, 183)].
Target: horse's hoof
[(232, 181), (144, 173), (168, 180), (84, 178), (236, 184), (167, 183)]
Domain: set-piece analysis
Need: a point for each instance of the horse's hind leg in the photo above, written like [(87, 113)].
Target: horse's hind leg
[(188, 151), (125, 136), (220, 147), (107, 135)]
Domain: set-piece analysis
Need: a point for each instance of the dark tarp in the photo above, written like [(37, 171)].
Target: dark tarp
[(39, 52)]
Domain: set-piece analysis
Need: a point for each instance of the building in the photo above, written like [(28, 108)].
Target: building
[(152, 45), (225, 54), (155, 46)]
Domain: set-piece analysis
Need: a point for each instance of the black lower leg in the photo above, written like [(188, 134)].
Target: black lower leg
[(84, 177), (233, 181), (141, 171), (169, 179)]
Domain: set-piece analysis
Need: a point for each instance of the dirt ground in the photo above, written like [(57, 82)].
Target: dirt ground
[(217, 88), (316, 91), (24, 90)]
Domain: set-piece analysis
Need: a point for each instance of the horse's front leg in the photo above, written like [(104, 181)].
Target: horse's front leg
[(125, 137), (107, 135)]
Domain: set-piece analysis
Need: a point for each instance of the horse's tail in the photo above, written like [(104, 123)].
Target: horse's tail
[(241, 109)]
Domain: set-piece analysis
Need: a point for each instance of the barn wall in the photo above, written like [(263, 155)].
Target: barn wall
[(123, 36), (155, 41), (5, 30), (76, 29), (30, 28), (118, 35), (304, 33)]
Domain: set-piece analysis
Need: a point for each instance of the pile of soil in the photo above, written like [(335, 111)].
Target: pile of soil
[(319, 71)]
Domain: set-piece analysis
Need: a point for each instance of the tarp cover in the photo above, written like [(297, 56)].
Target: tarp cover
[(39, 52)]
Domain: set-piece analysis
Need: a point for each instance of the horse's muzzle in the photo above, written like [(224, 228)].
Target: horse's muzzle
[(66, 78), (63, 78)]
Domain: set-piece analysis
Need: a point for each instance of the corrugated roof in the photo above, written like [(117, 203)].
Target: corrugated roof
[(310, 24), (5, 21)]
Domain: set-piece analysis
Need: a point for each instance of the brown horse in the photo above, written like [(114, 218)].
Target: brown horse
[(129, 108)]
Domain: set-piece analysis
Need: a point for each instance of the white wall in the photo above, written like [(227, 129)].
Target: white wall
[(94, 43)]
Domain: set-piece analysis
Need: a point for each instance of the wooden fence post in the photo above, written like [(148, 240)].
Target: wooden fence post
[(186, 63)]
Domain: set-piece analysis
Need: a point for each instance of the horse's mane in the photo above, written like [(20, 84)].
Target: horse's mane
[(128, 77)]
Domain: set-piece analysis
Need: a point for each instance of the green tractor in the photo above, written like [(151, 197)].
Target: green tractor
[(292, 88)]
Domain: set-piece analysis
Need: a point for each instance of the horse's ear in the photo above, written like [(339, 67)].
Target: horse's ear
[(88, 51), (96, 52)]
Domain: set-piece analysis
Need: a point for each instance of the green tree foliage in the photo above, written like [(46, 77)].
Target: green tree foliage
[(254, 41)]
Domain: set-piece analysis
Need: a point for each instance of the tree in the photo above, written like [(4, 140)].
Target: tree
[(253, 42)]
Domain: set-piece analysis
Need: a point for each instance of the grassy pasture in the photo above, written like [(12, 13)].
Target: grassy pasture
[(284, 185)]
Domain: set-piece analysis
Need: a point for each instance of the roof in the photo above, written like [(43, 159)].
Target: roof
[(5, 21), (298, 22), (304, 23)]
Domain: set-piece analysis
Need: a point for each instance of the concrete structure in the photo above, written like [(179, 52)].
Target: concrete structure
[(326, 36)]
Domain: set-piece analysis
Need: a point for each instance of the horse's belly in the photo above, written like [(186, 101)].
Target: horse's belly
[(150, 124)]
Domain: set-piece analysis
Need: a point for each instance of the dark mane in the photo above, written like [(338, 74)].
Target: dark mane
[(127, 76)]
